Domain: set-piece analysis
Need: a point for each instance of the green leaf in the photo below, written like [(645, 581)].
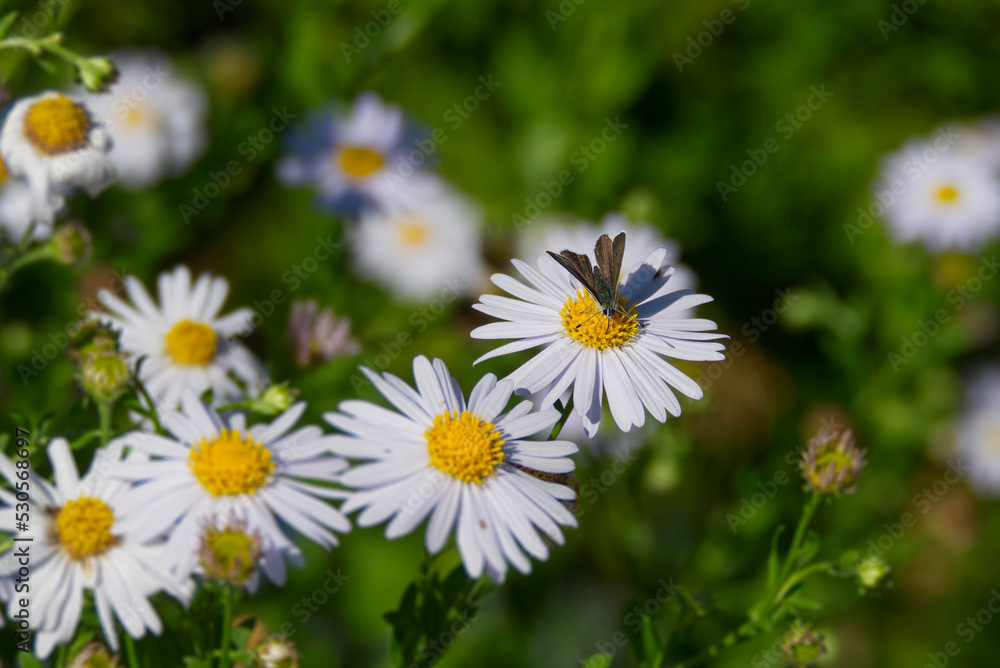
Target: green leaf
[(453, 584), (240, 636), (773, 561), (652, 648), (83, 440), (797, 603), (28, 660), (6, 22), (808, 549)]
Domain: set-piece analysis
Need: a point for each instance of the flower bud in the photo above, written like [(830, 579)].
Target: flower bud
[(97, 73), (105, 375), (277, 652), (871, 571), (90, 336), (94, 655), (318, 335), (802, 646), (71, 243), (274, 399), (229, 555), (831, 464)]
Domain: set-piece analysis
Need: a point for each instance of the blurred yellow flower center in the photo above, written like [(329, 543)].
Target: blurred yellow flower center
[(583, 320), (134, 116), (360, 162), (84, 527), (3, 172), (231, 464), (464, 446), (947, 194), (412, 232), (56, 125), (190, 342)]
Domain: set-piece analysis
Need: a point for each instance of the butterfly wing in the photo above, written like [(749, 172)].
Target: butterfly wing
[(577, 265), (609, 256)]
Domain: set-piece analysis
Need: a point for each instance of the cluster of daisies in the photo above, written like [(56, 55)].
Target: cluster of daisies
[(199, 492), (942, 190), (150, 124), (368, 165)]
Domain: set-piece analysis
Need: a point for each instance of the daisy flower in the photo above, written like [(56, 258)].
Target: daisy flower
[(346, 157), (567, 233), (425, 244), (944, 198), (978, 431), (53, 141), (318, 335), (215, 473), (186, 344), (155, 117), (585, 350), (464, 465), (78, 544)]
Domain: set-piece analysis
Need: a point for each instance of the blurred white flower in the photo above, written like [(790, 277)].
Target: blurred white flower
[(156, 118), (20, 206), (978, 430), (54, 141), (942, 191), (348, 157), (424, 243)]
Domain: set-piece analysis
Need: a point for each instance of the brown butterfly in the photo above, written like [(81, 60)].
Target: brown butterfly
[(601, 281)]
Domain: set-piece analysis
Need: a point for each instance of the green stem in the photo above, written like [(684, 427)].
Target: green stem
[(763, 609), (133, 658), (105, 410), (227, 625), (50, 43), (799, 576), (141, 388), (61, 660), (567, 409), (800, 531), (21, 257)]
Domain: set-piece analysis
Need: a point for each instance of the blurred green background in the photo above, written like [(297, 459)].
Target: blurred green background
[(563, 69)]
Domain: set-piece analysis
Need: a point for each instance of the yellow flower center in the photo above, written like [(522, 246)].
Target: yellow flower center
[(57, 125), (464, 446), (412, 232), (583, 320), (84, 527), (3, 172), (190, 342), (947, 194), (231, 464), (360, 162)]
